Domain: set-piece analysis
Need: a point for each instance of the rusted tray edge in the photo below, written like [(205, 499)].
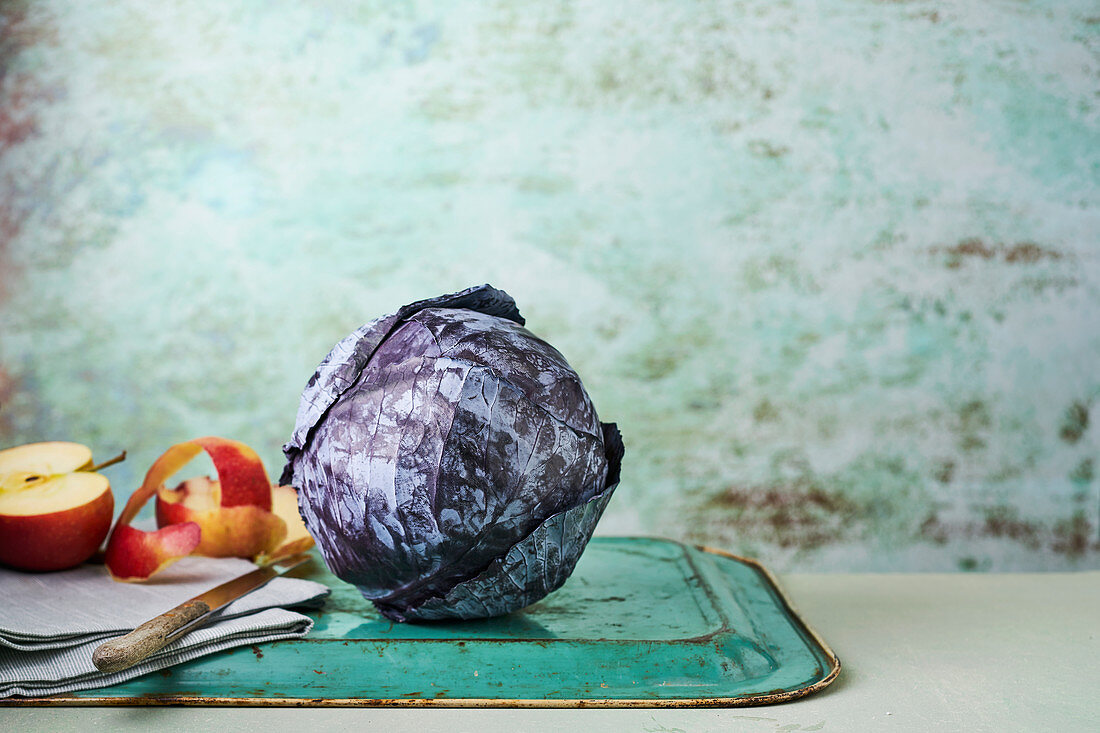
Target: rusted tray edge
[(71, 700)]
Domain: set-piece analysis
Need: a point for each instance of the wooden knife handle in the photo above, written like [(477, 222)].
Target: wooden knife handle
[(126, 651)]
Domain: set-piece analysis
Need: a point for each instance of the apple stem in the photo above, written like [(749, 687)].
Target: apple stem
[(117, 459)]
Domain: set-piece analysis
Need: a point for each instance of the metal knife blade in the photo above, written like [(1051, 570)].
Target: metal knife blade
[(124, 652)]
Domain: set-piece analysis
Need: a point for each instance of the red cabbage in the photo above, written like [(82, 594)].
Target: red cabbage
[(450, 463)]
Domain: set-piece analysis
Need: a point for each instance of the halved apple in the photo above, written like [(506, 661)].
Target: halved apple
[(228, 517), (55, 510)]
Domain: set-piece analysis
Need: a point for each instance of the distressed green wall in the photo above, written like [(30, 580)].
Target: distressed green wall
[(834, 267)]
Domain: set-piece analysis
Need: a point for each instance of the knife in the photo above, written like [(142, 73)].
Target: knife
[(124, 652)]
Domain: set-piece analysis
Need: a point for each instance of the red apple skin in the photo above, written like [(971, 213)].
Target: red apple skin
[(241, 472), (133, 554), (58, 540)]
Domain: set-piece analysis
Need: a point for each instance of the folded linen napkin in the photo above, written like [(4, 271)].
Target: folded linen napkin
[(50, 623)]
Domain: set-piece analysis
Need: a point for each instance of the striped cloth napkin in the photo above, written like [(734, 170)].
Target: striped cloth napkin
[(50, 623)]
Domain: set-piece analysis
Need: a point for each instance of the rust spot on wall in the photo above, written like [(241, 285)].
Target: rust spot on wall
[(800, 514), (1072, 536), (934, 530), (1084, 472), (1027, 252), (945, 471), (9, 228), (974, 422), (20, 90), (8, 387), (766, 149), (20, 94), (1074, 423), (1004, 521), (15, 124), (972, 248), (1019, 253)]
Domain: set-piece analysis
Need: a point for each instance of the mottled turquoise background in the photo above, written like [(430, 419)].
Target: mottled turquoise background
[(834, 267)]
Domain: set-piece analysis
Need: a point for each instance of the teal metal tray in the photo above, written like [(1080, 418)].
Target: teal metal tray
[(642, 622)]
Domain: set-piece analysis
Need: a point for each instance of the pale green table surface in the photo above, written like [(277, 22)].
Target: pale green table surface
[(1013, 652)]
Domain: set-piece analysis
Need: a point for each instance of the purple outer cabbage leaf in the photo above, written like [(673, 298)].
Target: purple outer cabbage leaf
[(449, 463)]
